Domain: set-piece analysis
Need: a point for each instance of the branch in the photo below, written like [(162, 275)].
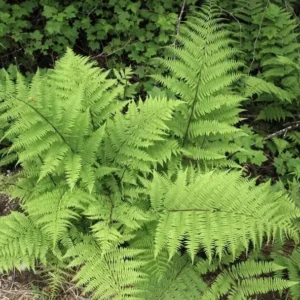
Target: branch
[(258, 36), (115, 51), (179, 21), (283, 131)]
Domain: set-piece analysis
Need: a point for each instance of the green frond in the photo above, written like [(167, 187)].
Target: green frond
[(130, 136), (291, 263), (201, 71), (22, 242), (114, 275), (55, 276), (258, 86), (73, 165), (115, 221), (273, 112), (244, 280), (55, 211), (181, 280), (65, 108), (221, 212)]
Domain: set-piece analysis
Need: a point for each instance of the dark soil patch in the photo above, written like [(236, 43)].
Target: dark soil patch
[(7, 205)]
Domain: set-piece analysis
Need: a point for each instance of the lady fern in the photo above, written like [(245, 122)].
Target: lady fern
[(201, 72), (220, 213), (103, 192)]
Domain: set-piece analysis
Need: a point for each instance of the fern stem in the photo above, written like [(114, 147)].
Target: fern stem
[(208, 210), (45, 119), (111, 210), (49, 175), (192, 111)]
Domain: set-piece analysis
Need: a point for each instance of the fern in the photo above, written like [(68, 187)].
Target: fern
[(201, 72), (112, 276), (181, 280), (7, 87), (291, 263), (62, 117), (130, 139), (102, 190), (242, 281), (56, 210), (220, 213), (273, 112), (22, 242)]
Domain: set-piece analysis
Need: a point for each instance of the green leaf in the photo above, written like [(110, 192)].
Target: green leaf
[(73, 167)]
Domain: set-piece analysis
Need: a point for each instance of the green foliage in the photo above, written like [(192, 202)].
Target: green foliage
[(291, 263), (267, 32), (287, 162), (22, 242), (242, 281), (133, 195), (252, 146), (202, 71), (116, 32), (198, 220)]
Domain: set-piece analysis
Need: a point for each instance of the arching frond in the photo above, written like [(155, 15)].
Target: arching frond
[(201, 71), (220, 212)]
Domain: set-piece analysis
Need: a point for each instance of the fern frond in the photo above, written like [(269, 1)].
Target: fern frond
[(22, 242), (114, 275), (291, 263), (242, 281), (273, 112), (66, 108), (129, 137), (221, 212), (56, 276), (181, 280), (56, 210), (258, 86), (201, 71)]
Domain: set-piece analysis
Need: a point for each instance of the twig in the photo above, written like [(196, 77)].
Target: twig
[(283, 131), (179, 21), (230, 14), (115, 51), (258, 35)]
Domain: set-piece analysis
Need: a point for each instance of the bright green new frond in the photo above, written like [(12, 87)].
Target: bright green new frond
[(114, 275), (201, 71), (130, 136), (220, 212), (55, 211), (21, 243), (65, 109)]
